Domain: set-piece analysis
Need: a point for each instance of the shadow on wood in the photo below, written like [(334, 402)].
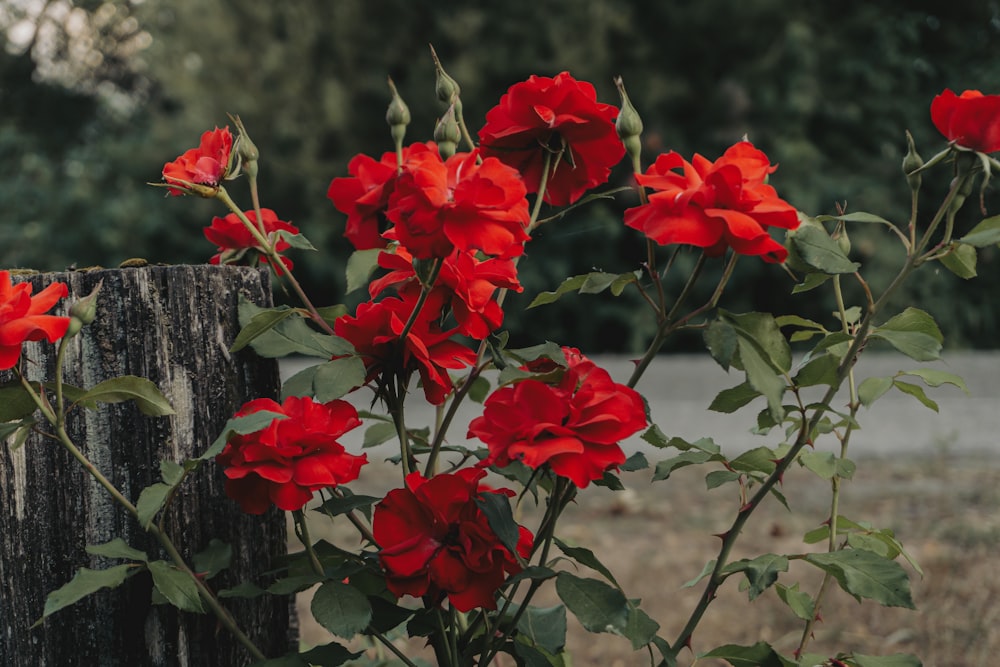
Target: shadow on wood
[(174, 326)]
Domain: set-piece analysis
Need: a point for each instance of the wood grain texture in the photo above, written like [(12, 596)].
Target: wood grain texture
[(173, 325)]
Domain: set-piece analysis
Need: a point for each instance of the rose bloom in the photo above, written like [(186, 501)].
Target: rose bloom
[(205, 165), (466, 284), (285, 462), (573, 426), (375, 332), (543, 116), (233, 238), (439, 206), (436, 542), (23, 318), (714, 205), (364, 195), (971, 120)]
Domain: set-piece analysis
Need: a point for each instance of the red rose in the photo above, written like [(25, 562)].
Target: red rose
[(971, 120), (545, 116), (205, 165), (439, 206), (234, 239), (573, 427), (375, 332), (291, 458), (464, 282), (364, 195), (436, 542), (714, 205), (22, 317)]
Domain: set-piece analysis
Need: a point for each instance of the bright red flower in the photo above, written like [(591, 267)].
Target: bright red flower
[(439, 206), (464, 282), (23, 318), (574, 426), (436, 542), (375, 332), (206, 165), (560, 117), (714, 205), (234, 239), (292, 457), (364, 195), (971, 120)]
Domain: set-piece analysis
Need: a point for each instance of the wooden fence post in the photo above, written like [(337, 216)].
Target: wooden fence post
[(173, 325)]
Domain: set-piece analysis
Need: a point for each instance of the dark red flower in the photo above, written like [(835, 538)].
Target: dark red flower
[(439, 206), (574, 426), (714, 205), (465, 283), (364, 195), (233, 238), (23, 318), (436, 542), (375, 332), (559, 117), (206, 165), (971, 120), (293, 456)]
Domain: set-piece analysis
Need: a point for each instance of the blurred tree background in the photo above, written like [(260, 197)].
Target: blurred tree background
[(96, 96)]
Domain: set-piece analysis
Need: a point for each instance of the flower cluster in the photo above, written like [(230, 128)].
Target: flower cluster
[(573, 425), (23, 317), (436, 541), (296, 454)]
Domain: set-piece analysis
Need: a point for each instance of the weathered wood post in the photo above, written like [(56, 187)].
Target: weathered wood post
[(173, 325)]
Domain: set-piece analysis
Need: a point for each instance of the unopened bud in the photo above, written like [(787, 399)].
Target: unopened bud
[(83, 311), (629, 124), (911, 163), (245, 149), (447, 134), (397, 115), (843, 240), (445, 87)]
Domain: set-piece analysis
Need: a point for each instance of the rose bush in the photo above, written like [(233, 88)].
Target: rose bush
[(439, 234)]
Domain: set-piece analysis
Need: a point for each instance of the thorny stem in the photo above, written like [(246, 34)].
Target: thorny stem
[(913, 260)]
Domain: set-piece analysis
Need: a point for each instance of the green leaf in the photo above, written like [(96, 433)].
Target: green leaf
[(337, 378), (961, 260), (117, 548), (864, 574), (15, 402), (859, 216), (479, 390), (759, 655), (250, 423), (824, 464), (914, 333), (705, 571), (819, 370), (717, 478), (176, 586), (820, 252), (290, 335), (635, 462), (263, 321), (545, 626), (761, 572), (872, 389), (590, 283), (341, 609), (986, 233), (295, 584), (587, 558), (331, 314), (83, 583), (654, 436), (329, 655), (336, 506), (730, 400), (171, 472), (150, 501), (245, 591), (758, 459), (917, 392), (720, 339), (801, 604), (360, 267), (762, 376), (811, 282), (894, 660), (935, 378), (763, 331), (147, 397), (496, 507), (296, 240), (215, 558), (378, 433), (598, 606), (640, 629), (664, 469)]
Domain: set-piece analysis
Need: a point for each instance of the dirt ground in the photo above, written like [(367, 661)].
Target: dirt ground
[(945, 509)]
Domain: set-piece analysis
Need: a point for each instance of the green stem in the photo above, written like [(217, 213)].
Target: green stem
[(302, 532)]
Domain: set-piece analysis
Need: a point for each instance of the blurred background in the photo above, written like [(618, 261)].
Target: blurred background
[(96, 96)]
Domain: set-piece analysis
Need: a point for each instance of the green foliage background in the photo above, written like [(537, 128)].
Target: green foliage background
[(826, 89)]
